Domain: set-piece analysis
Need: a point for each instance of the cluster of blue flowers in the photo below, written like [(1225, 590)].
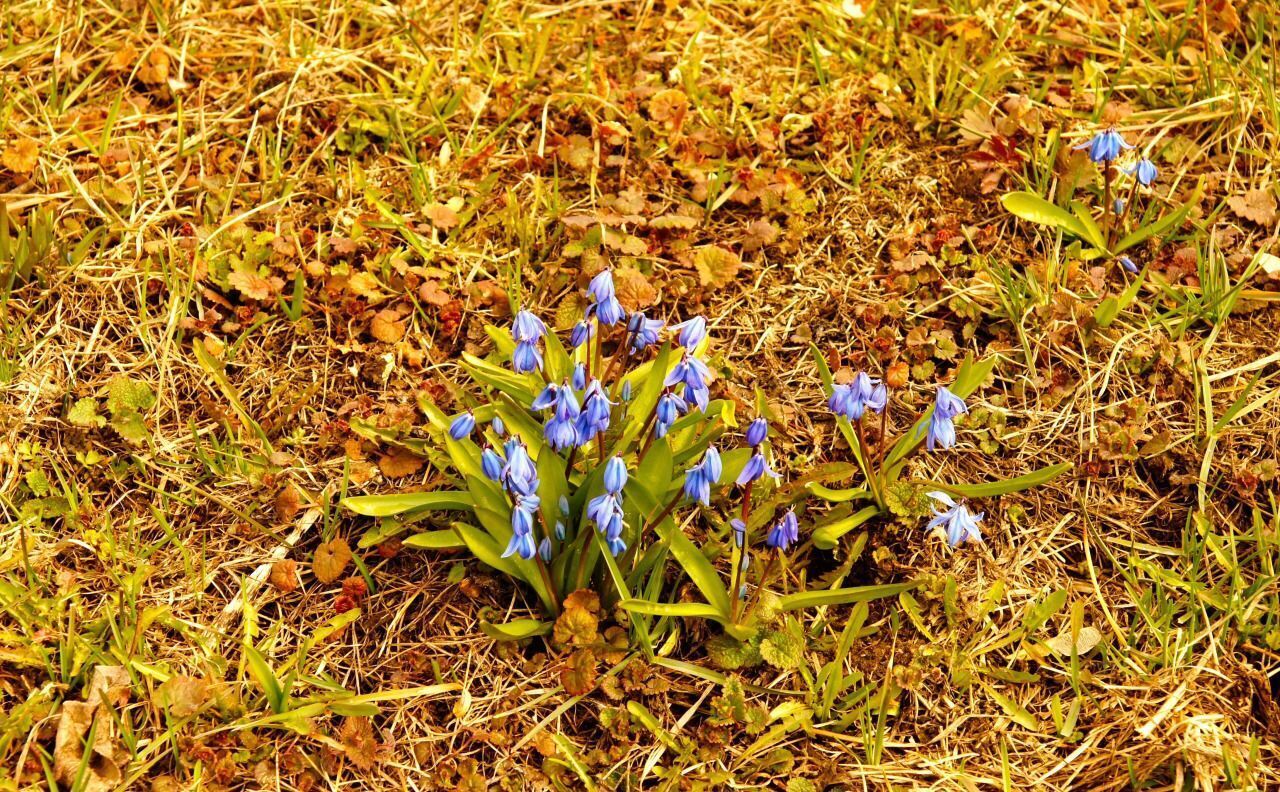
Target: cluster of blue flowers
[(853, 399), (606, 510), (960, 525), (1104, 148), (527, 330)]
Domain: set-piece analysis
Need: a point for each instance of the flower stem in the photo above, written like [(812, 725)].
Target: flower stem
[(1107, 208), (735, 578), (872, 475)]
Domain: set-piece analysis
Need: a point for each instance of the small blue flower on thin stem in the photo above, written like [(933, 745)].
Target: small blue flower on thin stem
[(785, 532), (606, 511), (522, 545), (462, 426), (561, 430), (739, 531), (960, 525), (855, 398), (694, 374), (581, 333), (520, 474), (644, 332), (1128, 264), (615, 475), (544, 549), (547, 398), (690, 332), (579, 378), (492, 464), (527, 327), (499, 428), (756, 467), (757, 432), (1144, 170), (522, 527), (1105, 146), (595, 414), (526, 358), (699, 478), (669, 408), (608, 310), (946, 406)]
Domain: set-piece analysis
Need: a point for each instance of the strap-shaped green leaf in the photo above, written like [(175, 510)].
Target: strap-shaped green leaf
[(828, 536), (696, 566), (517, 630), (843, 596), (700, 610), (1169, 221), (387, 505), (435, 540), (991, 489), (1032, 207)]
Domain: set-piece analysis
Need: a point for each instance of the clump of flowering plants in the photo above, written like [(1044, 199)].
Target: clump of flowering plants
[(591, 462), (883, 463)]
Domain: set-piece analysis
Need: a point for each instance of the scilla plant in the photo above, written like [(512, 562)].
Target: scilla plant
[(598, 460), (884, 463)]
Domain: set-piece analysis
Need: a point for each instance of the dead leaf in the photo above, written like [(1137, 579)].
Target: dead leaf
[(183, 695), (579, 622), (400, 462), (123, 58), (579, 673), (441, 216), (356, 734), (716, 266), (287, 503), (760, 234), (155, 70), (110, 684), (577, 152), (431, 293), (284, 575), (21, 156), (672, 221), (1085, 641), (633, 288), (330, 560), (387, 326), (1256, 205), (669, 108), (250, 284), (364, 284), (106, 756)]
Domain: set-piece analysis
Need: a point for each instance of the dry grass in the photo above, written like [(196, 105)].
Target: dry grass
[(179, 137)]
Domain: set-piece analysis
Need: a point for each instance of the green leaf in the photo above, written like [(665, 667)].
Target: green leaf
[(696, 566), (828, 536), (968, 377), (837, 496), (517, 630), (842, 596), (129, 425), (782, 650), (657, 469), (266, 678), (1164, 224), (699, 610), (1015, 710), (1032, 207), (85, 413), (521, 387), (436, 540), (551, 483), (387, 505), (1026, 481), (125, 394), (1093, 234), (646, 384)]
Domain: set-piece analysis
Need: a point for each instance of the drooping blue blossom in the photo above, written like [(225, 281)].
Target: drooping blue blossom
[(1144, 170), (958, 522), (785, 532), (547, 397), (693, 374), (595, 414), (941, 430), (1128, 264), (462, 426), (615, 475), (544, 549), (756, 467), (520, 475), (522, 545), (644, 331), (607, 308), (606, 511), (526, 358), (1105, 145), (746, 561), (690, 332), (522, 512), (1117, 206), (669, 408), (739, 531), (581, 333), (499, 428), (616, 546), (699, 478), (527, 327), (757, 432), (855, 398), (579, 379), (561, 429), (492, 464)]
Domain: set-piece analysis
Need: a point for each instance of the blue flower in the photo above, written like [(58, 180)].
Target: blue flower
[(960, 525), (669, 408), (561, 531), (626, 390), (691, 332), (785, 532), (854, 399), (522, 545), (499, 428), (1144, 170), (699, 478), (544, 549), (615, 475), (942, 432), (739, 531), (527, 357), (527, 327), (579, 379), (581, 333), (756, 467), (757, 432), (561, 430), (1105, 145), (606, 512), (693, 373), (564, 506), (595, 414), (492, 464), (644, 332), (547, 397), (522, 515), (462, 426), (1128, 264), (608, 310), (601, 287), (520, 475), (616, 546)]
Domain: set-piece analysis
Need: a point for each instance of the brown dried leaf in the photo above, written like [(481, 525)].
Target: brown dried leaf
[(578, 675), (284, 575), (431, 293), (102, 767), (287, 503), (400, 462), (356, 734), (364, 284), (672, 221), (123, 58), (578, 624), (21, 156), (250, 284), (183, 695), (155, 70), (110, 684), (1256, 205), (716, 266), (634, 291), (577, 152), (441, 216), (669, 108), (387, 326), (330, 560)]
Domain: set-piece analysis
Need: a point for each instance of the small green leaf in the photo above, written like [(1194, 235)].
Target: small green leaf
[(85, 413), (129, 425), (782, 649), (1015, 711), (517, 630), (842, 596), (435, 540), (1032, 207), (828, 536), (125, 394)]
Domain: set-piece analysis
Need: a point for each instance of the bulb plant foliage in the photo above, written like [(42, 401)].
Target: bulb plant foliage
[(1127, 210), (884, 462), (593, 461)]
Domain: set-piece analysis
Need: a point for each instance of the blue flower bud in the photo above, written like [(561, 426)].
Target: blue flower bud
[(1117, 206), (626, 390), (580, 334), (561, 531), (785, 532), (739, 532), (462, 426), (492, 464), (544, 549), (579, 380), (757, 432), (615, 475), (691, 332), (1128, 264), (499, 428), (564, 506), (1144, 171)]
